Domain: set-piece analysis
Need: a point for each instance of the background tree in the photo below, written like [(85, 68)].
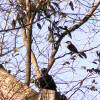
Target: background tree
[(33, 35)]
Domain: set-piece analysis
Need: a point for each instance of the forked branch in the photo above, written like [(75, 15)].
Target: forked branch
[(83, 21)]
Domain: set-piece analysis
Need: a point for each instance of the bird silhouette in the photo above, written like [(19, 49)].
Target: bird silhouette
[(73, 49)]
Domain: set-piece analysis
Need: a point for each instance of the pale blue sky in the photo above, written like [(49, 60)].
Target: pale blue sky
[(83, 38)]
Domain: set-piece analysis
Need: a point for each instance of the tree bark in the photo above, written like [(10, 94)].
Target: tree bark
[(12, 89), (28, 46), (46, 94), (27, 35)]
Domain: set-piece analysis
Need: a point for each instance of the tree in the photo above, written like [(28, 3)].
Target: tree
[(33, 36)]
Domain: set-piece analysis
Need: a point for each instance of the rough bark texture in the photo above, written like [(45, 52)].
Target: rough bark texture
[(28, 59), (28, 46), (12, 89), (47, 95)]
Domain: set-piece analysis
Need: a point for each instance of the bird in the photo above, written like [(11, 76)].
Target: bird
[(73, 49), (14, 20), (46, 81), (13, 23)]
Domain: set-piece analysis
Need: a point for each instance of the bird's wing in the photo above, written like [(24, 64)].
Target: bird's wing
[(73, 48)]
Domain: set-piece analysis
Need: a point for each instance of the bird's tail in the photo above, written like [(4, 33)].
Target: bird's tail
[(82, 54)]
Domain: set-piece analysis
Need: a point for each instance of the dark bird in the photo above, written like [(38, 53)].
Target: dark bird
[(71, 5), (13, 23), (73, 49), (46, 81), (14, 20)]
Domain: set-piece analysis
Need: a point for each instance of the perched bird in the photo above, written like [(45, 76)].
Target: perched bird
[(46, 81), (13, 23), (73, 49), (71, 5), (14, 20)]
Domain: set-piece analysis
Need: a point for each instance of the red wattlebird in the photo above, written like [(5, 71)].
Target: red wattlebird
[(73, 49)]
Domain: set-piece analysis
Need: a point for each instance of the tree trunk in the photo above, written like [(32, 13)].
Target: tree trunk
[(28, 47), (46, 94), (12, 89)]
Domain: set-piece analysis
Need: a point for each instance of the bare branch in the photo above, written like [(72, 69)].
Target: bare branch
[(34, 60), (85, 19), (28, 59)]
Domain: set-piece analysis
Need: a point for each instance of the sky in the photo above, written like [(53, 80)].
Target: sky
[(66, 76)]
